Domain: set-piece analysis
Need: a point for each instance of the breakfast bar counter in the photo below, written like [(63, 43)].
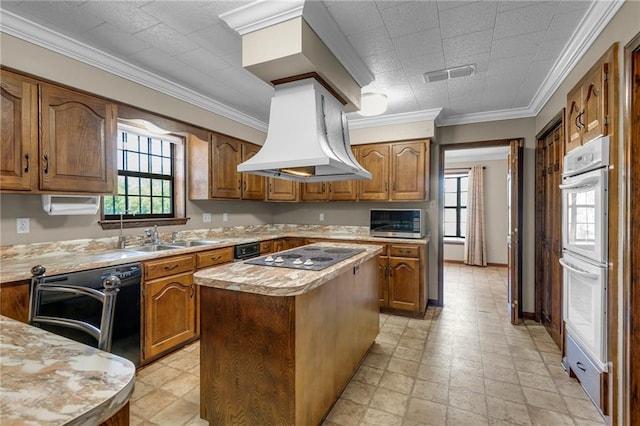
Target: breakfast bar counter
[(278, 345), (48, 379)]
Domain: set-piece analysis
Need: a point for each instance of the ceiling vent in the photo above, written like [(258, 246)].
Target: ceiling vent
[(448, 74)]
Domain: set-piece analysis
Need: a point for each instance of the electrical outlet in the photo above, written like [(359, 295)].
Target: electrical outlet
[(206, 217), (22, 225), (225, 217), (321, 217)]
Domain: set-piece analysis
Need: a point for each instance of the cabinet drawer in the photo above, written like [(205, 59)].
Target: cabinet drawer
[(404, 251), (168, 266), (590, 376), (265, 247), (214, 257)]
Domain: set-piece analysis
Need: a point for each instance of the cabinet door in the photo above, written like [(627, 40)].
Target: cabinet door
[(77, 142), (14, 300), (169, 313), (342, 190), (252, 185), (278, 245), (282, 190), (574, 110), (594, 101), (383, 281), (374, 158), (290, 243), (404, 283), (225, 157), (19, 129), (408, 163), (313, 191)]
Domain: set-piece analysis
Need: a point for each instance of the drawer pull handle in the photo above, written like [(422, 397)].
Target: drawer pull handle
[(46, 164), (192, 291), (215, 258), (26, 167), (170, 267), (580, 366)]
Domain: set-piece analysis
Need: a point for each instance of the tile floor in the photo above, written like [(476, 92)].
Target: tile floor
[(464, 364)]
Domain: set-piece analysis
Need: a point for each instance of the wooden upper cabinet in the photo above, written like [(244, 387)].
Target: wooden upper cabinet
[(375, 159), (282, 190), (226, 154), (313, 191), (342, 190), (77, 141), (588, 104), (409, 171), (19, 129), (253, 186)]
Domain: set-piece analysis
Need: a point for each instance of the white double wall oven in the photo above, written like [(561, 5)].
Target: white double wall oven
[(585, 247)]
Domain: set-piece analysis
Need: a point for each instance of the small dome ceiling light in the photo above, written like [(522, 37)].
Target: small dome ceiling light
[(449, 73), (373, 104)]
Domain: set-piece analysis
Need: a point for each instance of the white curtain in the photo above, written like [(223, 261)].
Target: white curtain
[(475, 245)]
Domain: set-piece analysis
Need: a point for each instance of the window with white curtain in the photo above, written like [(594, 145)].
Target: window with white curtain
[(455, 205)]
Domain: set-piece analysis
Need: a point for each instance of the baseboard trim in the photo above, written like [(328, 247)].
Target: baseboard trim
[(461, 262), (529, 316)]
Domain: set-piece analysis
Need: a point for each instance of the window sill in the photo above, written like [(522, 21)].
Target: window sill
[(142, 223), (453, 241)]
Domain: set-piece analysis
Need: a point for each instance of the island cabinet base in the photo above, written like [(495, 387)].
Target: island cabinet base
[(284, 360)]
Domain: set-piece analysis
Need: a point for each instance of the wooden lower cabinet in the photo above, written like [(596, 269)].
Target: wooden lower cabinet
[(169, 313), (402, 279), (14, 300)]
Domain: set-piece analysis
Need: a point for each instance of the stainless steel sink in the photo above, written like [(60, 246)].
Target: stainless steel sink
[(154, 248), (194, 243)]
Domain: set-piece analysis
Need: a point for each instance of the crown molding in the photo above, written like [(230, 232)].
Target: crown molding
[(387, 120), (593, 23), (481, 117), (32, 32), (262, 14)]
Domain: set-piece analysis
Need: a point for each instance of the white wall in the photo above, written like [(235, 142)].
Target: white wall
[(495, 202)]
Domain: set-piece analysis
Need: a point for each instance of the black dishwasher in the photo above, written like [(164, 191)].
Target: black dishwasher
[(126, 317)]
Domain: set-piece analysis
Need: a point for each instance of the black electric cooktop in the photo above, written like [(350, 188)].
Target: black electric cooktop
[(310, 258)]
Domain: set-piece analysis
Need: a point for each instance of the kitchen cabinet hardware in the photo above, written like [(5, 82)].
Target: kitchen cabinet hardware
[(171, 267), (214, 258), (193, 291), (46, 164), (26, 167), (580, 366)]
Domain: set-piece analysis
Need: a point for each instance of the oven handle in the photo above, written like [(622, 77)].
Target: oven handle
[(578, 271), (582, 183)]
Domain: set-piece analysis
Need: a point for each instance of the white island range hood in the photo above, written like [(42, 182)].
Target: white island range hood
[(308, 137)]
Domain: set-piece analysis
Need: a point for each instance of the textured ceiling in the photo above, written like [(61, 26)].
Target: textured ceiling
[(514, 45)]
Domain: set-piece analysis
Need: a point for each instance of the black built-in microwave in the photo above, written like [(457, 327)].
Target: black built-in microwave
[(397, 223)]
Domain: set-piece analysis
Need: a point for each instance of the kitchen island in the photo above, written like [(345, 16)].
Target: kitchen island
[(48, 379), (279, 345)]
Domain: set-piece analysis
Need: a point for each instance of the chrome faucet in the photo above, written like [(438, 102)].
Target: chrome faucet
[(152, 235), (122, 241)]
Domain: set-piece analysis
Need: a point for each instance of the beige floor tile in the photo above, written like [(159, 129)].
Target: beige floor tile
[(150, 404), (373, 417), (197, 421), (177, 413), (572, 389), (507, 391), (376, 360), (421, 412), (436, 359), (388, 338), (390, 401), (498, 360), (402, 366), (397, 382), (463, 380), (397, 321), (430, 391), (543, 417), (469, 401), (458, 417), (368, 375), (501, 374), (537, 381), (382, 348), (408, 354), (193, 395), (411, 343), (182, 384), (530, 366), (346, 413), (434, 374), (543, 399), (582, 409), (141, 389), (390, 328), (187, 362), (415, 333), (135, 420), (358, 392), (161, 376), (508, 411)]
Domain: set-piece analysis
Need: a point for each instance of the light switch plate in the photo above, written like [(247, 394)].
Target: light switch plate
[(22, 225), (225, 217), (206, 217)]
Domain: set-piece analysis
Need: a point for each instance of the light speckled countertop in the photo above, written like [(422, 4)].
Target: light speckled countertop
[(76, 255), (50, 380), (273, 281)]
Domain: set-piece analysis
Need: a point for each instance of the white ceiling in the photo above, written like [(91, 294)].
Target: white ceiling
[(520, 49)]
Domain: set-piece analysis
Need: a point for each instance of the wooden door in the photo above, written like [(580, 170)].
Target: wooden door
[(514, 245), (282, 190), (77, 142), (574, 110), (594, 101), (342, 190), (169, 313), (225, 156), (313, 191), (375, 159), (404, 284), (408, 171), (19, 132), (383, 281), (253, 186)]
